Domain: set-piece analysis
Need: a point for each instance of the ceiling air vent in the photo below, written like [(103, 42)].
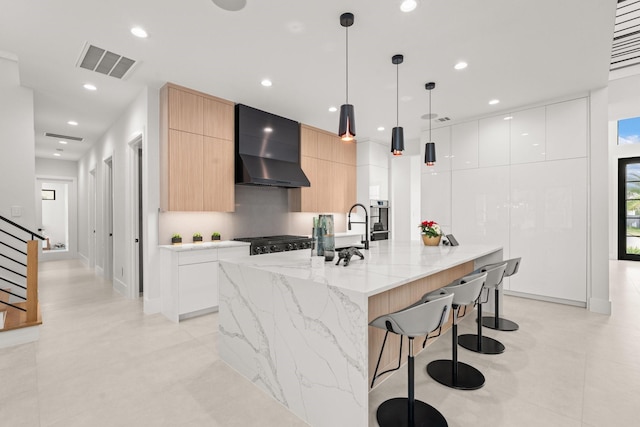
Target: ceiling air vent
[(442, 119), (104, 62), (70, 138)]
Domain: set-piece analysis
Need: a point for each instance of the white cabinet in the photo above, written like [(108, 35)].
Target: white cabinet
[(190, 279), (548, 223), (528, 136), (567, 130), (493, 142), (464, 146)]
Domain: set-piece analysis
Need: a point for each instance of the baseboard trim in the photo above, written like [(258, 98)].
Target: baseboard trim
[(597, 305), (99, 271), (19, 336), (545, 298), (198, 313), (84, 259), (120, 288)]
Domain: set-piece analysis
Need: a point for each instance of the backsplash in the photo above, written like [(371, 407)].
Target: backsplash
[(260, 211)]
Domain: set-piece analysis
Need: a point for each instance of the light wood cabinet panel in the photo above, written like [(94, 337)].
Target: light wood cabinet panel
[(185, 111), (330, 165), (185, 171), (308, 142), (325, 187), (218, 175), (327, 146), (218, 119), (196, 151)]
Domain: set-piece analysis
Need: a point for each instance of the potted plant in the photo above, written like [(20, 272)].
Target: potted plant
[(197, 238), (176, 239), (215, 236), (431, 233)]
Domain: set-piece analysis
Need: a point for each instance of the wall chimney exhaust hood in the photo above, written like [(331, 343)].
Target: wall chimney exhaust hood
[(267, 149)]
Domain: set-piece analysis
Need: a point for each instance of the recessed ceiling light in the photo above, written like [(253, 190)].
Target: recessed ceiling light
[(508, 118), (494, 102), (460, 65), (89, 86), (333, 109), (429, 116), (266, 83), (524, 134), (230, 5), (57, 154), (406, 98), (408, 5), (139, 32), (268, 130), (72, 123), (62, 142), (380, 128)]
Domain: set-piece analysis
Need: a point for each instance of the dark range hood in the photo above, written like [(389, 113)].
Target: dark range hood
[(267, 149)]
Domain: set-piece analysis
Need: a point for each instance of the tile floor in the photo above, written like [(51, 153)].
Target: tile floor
[(101, 362)]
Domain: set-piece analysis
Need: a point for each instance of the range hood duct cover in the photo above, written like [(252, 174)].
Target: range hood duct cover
[(267, 149)]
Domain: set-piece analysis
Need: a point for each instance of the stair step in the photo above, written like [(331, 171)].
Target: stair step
[(15, 319)]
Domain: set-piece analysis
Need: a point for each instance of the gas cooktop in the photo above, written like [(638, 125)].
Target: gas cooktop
[(271, 244)]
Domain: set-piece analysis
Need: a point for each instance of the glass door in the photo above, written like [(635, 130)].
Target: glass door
[(629, 209)]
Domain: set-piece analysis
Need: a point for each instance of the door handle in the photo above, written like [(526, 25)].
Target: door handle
[(137, 240)]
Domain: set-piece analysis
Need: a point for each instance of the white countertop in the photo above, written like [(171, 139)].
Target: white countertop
[(218, 244), (387, 264)]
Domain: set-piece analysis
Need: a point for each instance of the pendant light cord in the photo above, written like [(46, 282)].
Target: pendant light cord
[(397, 94), (347, 61), (430, 118)]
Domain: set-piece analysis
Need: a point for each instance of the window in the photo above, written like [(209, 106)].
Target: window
[(629, 209), (629, 131)]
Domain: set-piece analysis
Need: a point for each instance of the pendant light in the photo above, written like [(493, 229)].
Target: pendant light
[(347, 128), (397, 134), (430, 148)]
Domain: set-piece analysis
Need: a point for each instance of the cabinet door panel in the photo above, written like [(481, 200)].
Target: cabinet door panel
[(198, 286), (308, 142), (185, 111), (327, 146), (325, 186), (464, 145), (185, 171), (218, 119), (493, 140), (567, 130), (528, 136), (218, 175)]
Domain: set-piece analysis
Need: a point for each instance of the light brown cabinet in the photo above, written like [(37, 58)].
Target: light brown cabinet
[(330, 165), (197, 155)]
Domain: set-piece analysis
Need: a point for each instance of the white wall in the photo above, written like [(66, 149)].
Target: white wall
[(140, 118), (17, 170)]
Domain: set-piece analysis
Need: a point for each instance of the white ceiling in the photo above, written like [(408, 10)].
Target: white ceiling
[(519, 51)]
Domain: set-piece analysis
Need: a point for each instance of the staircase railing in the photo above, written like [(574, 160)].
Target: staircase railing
[(19, 272)]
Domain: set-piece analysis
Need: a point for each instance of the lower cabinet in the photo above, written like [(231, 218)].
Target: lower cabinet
[(190, 280)]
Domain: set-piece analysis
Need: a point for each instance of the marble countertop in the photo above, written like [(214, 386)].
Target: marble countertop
[(205, 245), (387, 264)]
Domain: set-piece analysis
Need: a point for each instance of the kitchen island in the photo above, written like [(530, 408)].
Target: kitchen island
[(301, 333)]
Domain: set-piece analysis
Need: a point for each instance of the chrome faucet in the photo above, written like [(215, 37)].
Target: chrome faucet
[(366, 224)]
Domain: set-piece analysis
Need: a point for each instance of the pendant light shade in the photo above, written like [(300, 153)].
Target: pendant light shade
[(347, 125), (430, 147), (397, 134), (347, 129)]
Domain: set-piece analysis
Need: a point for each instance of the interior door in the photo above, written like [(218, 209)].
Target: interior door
[(629, 208)]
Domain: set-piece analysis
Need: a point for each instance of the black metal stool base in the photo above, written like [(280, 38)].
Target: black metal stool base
[(502, 324), (488, 346), (395, 413), (468, 378)]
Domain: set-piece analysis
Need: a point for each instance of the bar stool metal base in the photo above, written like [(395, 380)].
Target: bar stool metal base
[(487, 346), (393, 413), (468, 377), (499, 324)]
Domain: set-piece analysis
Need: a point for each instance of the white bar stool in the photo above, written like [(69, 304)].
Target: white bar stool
[(476, 342), (452, 373), (416, 320), (495, 321)]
